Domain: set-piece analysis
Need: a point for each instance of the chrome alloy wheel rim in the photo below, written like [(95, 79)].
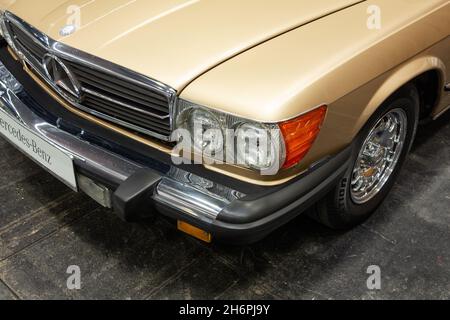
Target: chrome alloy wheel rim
[(379, 156)]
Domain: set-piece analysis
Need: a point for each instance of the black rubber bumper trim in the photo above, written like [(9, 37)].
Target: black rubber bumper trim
[(135, 195), (248, 221), (247, 210)]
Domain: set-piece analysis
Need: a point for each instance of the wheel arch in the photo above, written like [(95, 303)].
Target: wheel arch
[(413, 71)]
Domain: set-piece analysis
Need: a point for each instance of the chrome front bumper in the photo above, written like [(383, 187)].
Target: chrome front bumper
[(180, 190)]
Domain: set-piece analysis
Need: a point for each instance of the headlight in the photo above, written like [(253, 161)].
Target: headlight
[(260, 146), (256, 146), (235, 140), (205, 130)]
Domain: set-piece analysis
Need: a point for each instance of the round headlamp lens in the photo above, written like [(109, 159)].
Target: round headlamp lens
[(255, 147), (205, 129)]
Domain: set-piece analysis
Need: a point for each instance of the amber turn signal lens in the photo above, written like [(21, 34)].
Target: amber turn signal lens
[(194, 231), (299, 134)]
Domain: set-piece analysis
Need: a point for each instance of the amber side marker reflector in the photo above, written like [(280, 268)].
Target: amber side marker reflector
[(194, 231), (300, 133)]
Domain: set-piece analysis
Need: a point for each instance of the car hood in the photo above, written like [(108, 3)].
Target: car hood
[(173, 41)]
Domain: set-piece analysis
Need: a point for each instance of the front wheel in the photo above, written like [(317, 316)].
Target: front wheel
[(378, 155)]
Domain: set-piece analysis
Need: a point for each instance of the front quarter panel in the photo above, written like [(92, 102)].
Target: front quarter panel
[(325, 62)]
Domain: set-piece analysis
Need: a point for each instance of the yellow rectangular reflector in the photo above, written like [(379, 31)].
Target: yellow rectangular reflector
[(194, 231)]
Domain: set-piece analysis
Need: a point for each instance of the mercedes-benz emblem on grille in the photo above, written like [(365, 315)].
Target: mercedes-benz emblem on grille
[(62, 78)]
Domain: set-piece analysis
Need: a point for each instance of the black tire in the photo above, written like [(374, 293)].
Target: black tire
[(338, 210)]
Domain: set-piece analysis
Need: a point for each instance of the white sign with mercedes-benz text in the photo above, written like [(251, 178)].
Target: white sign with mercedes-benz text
[(47, 155)]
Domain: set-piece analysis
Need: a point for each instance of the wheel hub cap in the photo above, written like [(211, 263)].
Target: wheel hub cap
[(379, 156)]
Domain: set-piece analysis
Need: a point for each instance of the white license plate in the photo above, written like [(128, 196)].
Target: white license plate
[(57, 162)]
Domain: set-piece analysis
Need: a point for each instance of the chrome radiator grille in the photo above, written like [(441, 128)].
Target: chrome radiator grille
[(93, 85), (116, 97)]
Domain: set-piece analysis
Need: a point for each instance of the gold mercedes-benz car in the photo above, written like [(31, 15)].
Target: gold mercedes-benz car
[(229, 117)]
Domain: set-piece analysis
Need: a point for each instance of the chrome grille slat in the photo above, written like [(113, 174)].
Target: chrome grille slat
[(110, 92), (94, 99), (103, 97), (34, 48), (123, 85), (120, 93), (104, 107)]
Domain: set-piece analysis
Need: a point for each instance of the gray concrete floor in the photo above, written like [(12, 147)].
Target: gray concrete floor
[(44, 228)]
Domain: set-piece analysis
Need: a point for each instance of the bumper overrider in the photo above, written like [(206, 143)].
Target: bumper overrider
[(136, 182)]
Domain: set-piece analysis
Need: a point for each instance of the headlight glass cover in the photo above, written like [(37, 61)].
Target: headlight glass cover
[(240, 141), (205, 128), (267, 147)]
